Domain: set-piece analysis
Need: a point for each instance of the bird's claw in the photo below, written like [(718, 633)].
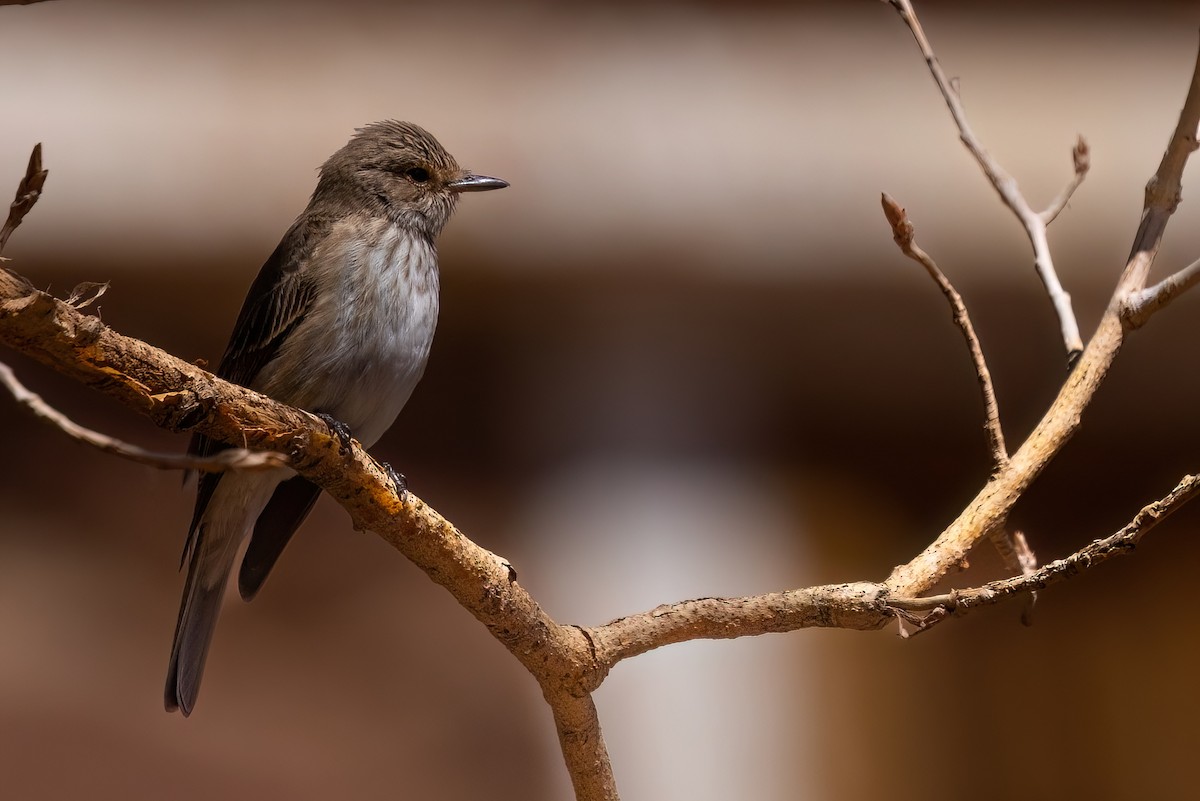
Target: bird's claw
[(338, 429), (399, 482)]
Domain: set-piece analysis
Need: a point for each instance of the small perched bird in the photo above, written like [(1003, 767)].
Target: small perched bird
[(338, 322)]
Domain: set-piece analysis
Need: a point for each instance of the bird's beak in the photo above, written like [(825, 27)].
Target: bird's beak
[(475, 183)]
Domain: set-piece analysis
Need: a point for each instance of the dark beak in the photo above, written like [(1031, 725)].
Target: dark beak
[(475, 183)]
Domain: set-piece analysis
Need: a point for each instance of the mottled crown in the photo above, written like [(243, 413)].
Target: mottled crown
[(386, 141)]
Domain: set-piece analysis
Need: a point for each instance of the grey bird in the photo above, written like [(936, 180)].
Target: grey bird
[(339, 322)]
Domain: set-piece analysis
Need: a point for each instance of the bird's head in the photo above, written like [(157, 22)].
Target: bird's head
[(399, 170)]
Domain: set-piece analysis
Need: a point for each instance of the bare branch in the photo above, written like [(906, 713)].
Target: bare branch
[(859, 606), (1005, 185), (583, 747), (1146, 302), (904, 233), (988, 510), (848, 606), (1081, 157), (960, 602), (28, 192), (232, 459), (1164, 191)]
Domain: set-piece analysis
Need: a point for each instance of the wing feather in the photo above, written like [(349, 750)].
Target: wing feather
[(276, 303)]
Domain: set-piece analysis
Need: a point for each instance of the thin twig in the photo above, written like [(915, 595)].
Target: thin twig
[(904, 233), (1143, 304), (1005, 185), (959, 602), (232, 459), (1081, 158)]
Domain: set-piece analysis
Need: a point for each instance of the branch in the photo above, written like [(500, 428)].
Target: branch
[(1006, 186), (231, 459), (988, 510), (960, 602), (904, 233), (578, 728), (1081, 158), (863, 605), (1164, 191), (1146, 302)]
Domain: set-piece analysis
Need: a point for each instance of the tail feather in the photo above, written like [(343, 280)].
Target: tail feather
[(208, 572)]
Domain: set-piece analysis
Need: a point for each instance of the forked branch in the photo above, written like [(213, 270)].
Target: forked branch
[(930, 610), (1005, 185)]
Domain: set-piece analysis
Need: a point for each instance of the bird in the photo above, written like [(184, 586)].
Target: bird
[(339, 322)]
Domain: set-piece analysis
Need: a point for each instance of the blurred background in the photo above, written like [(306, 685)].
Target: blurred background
[(680, 356)]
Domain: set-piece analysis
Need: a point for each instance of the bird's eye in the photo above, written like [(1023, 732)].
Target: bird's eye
[(418, 174)]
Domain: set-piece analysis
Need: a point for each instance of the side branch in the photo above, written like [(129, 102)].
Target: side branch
[(1006, 186), (1144, 303), (1164, 191), (858, 606), (1081, 158), (1013, 549), (961, 602), (231, 459), (904, 233)]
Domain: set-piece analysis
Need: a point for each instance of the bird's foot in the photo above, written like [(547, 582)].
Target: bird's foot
[(399, 482), (339, 430)]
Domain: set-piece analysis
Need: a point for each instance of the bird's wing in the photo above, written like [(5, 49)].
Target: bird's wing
[(277, 301)]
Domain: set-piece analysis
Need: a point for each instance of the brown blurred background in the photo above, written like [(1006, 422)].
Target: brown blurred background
[(680, 356)]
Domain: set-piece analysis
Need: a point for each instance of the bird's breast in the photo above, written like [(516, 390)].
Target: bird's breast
[(362, 347)]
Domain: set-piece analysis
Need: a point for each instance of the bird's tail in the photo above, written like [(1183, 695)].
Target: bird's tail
[(209, 566)]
